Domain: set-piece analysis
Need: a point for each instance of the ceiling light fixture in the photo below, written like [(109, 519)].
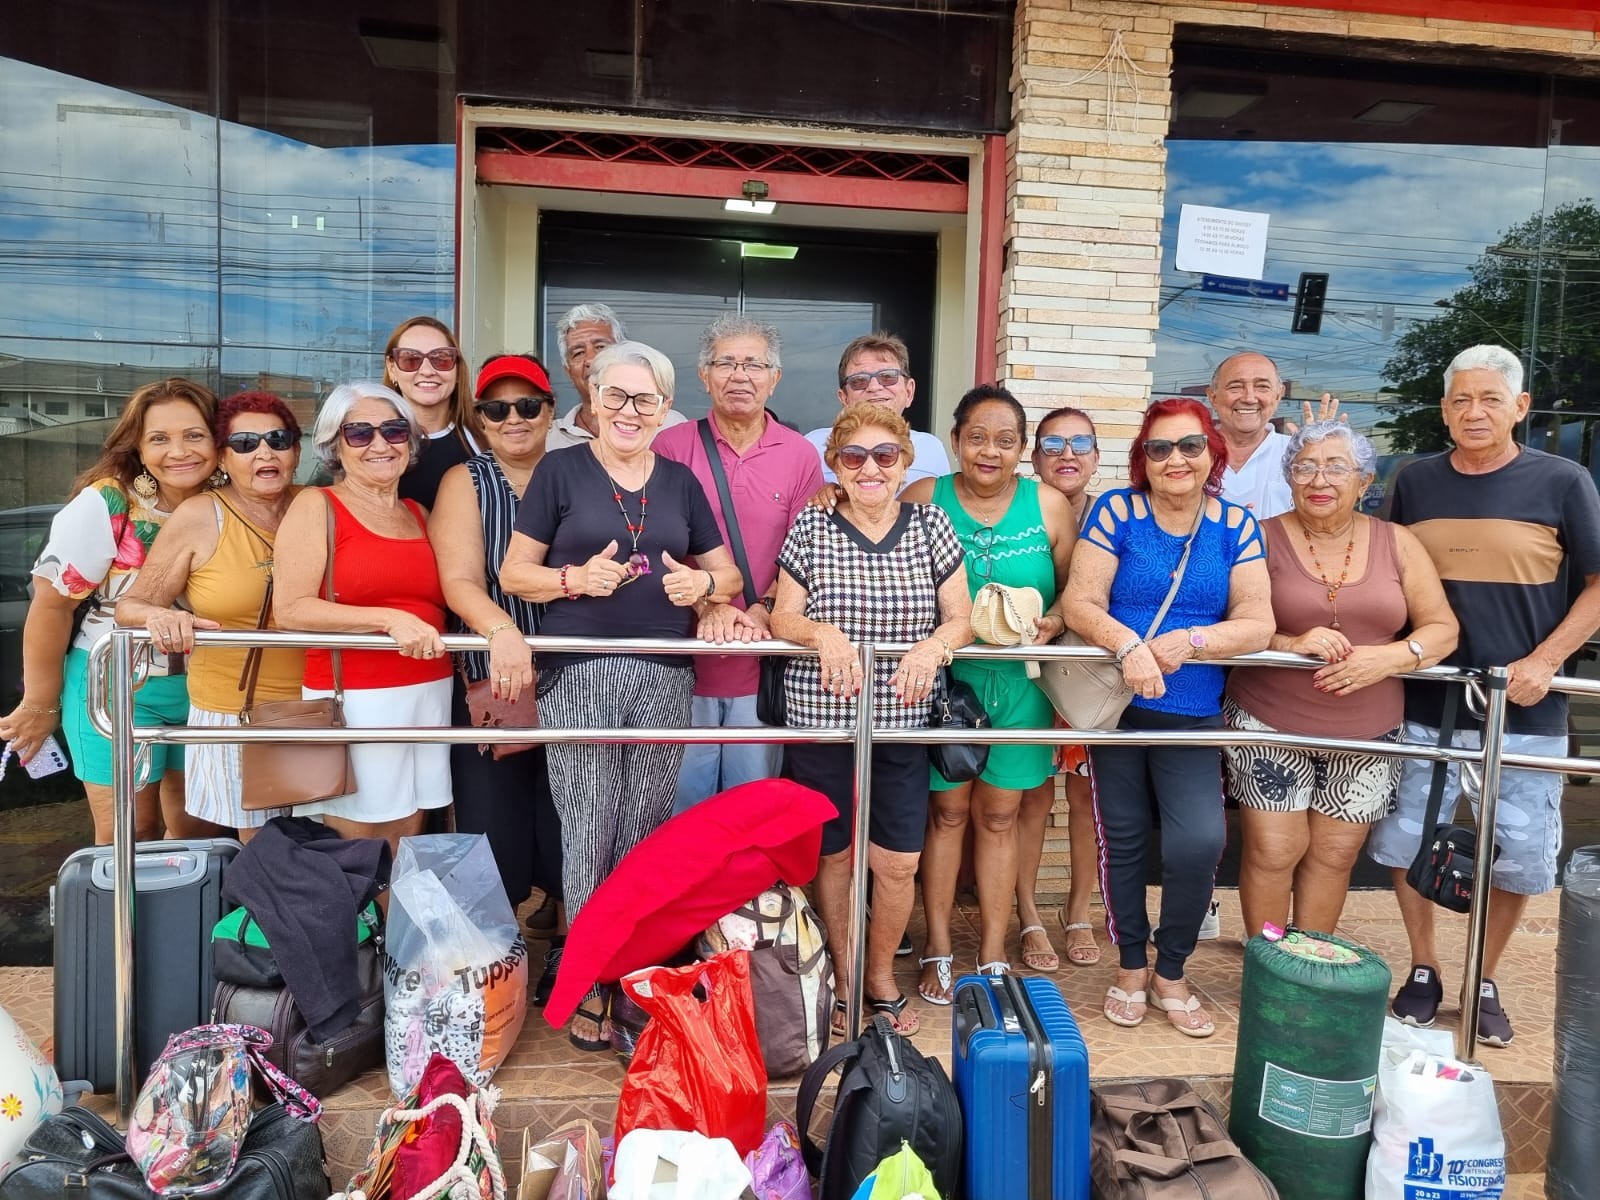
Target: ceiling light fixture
[(755, 200), (1216, 103), (1393, 112), (398, 46), (766, 250)]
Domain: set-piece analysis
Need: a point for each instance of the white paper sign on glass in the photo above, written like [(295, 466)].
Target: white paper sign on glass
[(1222, 241)]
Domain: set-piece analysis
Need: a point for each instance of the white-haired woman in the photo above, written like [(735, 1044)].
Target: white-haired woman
[(385, 580), (1362, 595), (600, 538)]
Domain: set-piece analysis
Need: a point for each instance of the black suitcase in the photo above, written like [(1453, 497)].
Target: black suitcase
[(178, 900), (75, 1153)]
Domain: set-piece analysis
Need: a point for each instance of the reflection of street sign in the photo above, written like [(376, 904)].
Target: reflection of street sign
[(1258, 288)]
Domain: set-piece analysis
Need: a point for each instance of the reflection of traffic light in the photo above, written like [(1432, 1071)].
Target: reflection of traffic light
[(1308, 302)]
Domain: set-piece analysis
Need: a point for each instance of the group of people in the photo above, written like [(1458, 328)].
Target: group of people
[(457, 509)]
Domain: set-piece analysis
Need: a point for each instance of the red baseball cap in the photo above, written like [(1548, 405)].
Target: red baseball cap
[(512, 366)]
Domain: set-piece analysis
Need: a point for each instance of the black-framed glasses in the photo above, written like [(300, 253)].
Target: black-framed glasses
[(528, 407), (862, 380), (638, 568), (1053, 445), (983, 543), (276, 439), (885, 454), (1160, 449), (1334, 472), (615, 399), (444, 358), (749, 366), (360, 433)]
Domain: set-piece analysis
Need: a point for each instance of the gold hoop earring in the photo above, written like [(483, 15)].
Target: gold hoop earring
[(145, 485)]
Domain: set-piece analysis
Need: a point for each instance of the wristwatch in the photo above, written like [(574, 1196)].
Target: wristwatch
[(1416, 648), (767, 602), (1197, 640)]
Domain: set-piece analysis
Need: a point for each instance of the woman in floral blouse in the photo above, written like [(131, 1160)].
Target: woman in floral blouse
[(161, 452)]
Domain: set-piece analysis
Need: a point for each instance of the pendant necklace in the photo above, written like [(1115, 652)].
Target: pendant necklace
[(972, 506), (638, 563), (1333, 587)]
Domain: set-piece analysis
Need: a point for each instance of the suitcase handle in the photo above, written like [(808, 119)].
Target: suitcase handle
[(970, 1017), (153, 871)]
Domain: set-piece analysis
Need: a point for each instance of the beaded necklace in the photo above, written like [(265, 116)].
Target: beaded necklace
[(1333, 588), (638, 562)]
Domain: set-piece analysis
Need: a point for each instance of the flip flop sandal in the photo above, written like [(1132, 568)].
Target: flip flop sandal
[(1047, 961), (997, 968), (1171, 1006), (905, 1023), (1135, 1002), (1078, 954), (598, 1016), (841, 1013), (944, 978)]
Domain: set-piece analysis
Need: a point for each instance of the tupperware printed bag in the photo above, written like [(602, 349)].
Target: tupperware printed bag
[(455, 965)]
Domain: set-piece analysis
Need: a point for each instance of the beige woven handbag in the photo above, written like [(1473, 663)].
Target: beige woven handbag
[(1006, 616)]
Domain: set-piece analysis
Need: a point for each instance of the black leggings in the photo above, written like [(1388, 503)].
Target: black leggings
[(1186, 784)]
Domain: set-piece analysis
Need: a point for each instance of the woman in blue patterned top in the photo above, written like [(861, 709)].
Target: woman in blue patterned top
[(1122, 569)]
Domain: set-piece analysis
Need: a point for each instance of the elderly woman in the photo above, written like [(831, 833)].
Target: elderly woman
[(507, 799), (1066, 455), (1363, 596), (216, 555), (422, 361), (385, 580), (590, 547), (1017, 533), (875, 569), (1168, 533), (161, 452)]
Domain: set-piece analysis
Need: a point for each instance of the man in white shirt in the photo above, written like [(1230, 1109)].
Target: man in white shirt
[(1245, 391), (583, 332), (876, 368)]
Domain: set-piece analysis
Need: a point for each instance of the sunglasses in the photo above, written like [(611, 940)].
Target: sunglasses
[(862, 380), (854, 458), (276, 439), (442, 359), (1053, 445), (528, 407), (360, 433), (638, 568), (1160, 449)]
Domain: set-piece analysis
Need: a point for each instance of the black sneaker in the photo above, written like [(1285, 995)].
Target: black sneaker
[(1418, 1002), (1494, 1027), (552, 965)]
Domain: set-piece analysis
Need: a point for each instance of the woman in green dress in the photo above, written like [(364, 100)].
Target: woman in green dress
[(1016, 533)]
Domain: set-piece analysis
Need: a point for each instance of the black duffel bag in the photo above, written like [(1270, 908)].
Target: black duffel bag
[(77, 1154)]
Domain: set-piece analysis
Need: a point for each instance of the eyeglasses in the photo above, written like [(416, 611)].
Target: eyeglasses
[(614, 399), (360, 433), (983, 543), (638, 568), (1160, 449), (1054, 445), (1334, 472), (977, 439), (862, 380), (748, 366), (885, 454), (528, 407), (442, 359), (276, 439)]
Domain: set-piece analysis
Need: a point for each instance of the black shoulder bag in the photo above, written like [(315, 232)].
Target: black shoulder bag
[(771, 707), (1443, 868), (955, 707)]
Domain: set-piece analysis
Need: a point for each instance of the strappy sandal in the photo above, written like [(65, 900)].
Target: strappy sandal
[(944, 978), (1046, 961), (841, 1014), (1181, 1014), (1134, 1004), (1078, 954), (598, 1016), (996, 968), (905, 1021)]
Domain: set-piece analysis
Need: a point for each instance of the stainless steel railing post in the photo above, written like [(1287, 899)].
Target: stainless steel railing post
[(859, 847), (124, 834), (1494, 730)]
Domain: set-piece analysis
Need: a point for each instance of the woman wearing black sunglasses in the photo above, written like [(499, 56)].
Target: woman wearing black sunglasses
[(422, 361), (216, 553), (385, 580), (1168, 533)]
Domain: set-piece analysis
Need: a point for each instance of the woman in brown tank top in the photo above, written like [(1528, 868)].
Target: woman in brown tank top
[(1361, 595)]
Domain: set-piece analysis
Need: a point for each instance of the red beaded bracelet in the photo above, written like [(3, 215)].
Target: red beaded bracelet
[(564, 591)]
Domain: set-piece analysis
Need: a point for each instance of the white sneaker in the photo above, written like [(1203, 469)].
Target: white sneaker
[(1210, 926)]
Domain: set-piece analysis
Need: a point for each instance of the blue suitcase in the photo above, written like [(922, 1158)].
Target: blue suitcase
[(1022, 1076)]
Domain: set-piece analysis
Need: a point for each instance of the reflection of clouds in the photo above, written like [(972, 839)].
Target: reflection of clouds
[(112, 227), (1396, 228)]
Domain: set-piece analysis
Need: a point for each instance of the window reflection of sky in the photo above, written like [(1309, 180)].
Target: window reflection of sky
[(1393, 225)]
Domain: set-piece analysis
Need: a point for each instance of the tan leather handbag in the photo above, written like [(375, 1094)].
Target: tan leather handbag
[(282, 774), (489, 711)]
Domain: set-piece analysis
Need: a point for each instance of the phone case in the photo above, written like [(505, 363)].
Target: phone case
[(47, 760)]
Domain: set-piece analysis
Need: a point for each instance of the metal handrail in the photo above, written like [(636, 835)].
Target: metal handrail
[(109, 701)]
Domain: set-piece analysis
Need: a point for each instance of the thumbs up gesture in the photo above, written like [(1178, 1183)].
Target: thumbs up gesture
[(602, 574), (684, 585)]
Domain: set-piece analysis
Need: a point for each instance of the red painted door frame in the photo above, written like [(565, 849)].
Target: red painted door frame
[(1551, 14)]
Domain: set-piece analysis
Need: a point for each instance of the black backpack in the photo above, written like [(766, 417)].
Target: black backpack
[(888, 1093)]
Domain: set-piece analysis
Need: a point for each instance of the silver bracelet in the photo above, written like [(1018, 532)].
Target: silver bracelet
[(1129, 647)]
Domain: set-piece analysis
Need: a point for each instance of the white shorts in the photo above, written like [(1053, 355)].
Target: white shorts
[(211, 787), (393, 779)]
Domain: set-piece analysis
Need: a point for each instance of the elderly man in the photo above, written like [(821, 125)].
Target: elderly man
[(769, 472), (1508, 528), (1245, 391), (583, 332), (876, 368)]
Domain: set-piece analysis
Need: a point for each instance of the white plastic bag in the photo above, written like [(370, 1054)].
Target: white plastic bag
[(664, 1164), (1436, 1127), (455, 965)]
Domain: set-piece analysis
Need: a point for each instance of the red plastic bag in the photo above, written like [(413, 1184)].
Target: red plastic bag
[(698, 1065)]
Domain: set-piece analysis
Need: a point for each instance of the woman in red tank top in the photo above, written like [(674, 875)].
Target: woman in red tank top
[(1363, 596), (385, 580)]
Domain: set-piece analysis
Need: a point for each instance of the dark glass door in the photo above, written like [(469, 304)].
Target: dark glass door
[(667, 280)]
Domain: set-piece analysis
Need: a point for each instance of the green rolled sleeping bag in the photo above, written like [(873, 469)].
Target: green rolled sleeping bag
[(1306, 1067)]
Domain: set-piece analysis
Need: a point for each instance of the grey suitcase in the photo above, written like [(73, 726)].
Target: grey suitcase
[(178, 900)]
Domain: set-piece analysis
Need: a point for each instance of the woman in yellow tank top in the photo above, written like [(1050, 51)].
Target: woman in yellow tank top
[(216, 554)]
